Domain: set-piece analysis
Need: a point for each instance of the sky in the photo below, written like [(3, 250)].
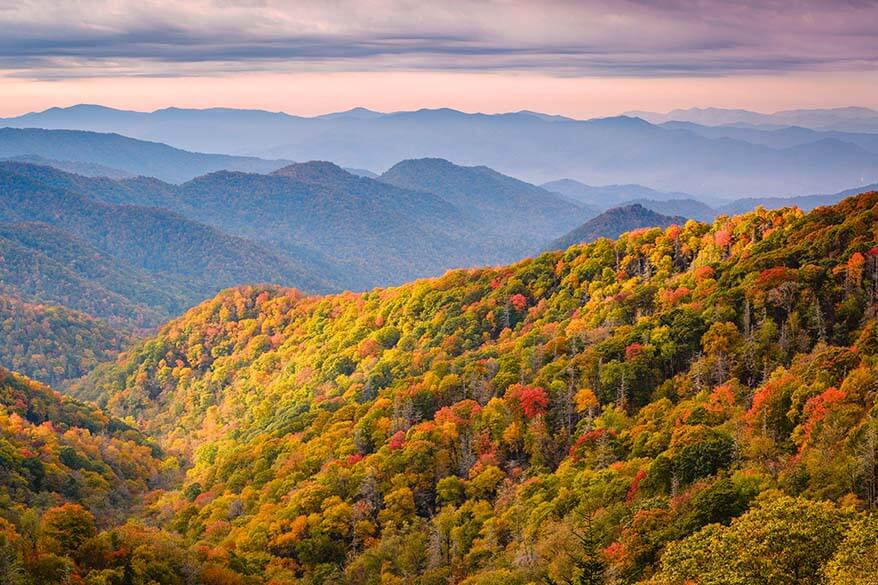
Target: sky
[(577, 58)]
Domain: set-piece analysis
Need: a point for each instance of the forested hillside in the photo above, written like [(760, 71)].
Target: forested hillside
[(70, 479), (154, 240), (46, 264), (82, 168), (53, 344), (521, 215), (370, 232), (614, 222), (655, 409), (108, 270), (55, 449)]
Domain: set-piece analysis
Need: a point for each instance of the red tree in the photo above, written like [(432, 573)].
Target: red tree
[(533, 400)]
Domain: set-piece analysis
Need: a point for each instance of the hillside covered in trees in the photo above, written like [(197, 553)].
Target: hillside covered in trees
[(614, 222), (67, 470), (53, 344), (658, 409), (519, 214), (82, 268)]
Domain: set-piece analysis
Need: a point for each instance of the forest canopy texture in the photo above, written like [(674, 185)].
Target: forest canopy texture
[(693, 404)]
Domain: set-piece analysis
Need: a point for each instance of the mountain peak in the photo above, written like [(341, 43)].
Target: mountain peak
[(543, 116), (425, 162), (315, 171), (614, 222), (631, 208), (358, 112), (81, 108), (620, 122)]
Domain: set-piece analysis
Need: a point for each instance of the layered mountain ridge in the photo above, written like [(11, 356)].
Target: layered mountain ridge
[(538, 148)]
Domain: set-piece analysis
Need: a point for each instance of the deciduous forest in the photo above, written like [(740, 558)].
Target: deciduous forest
[(689, 404)]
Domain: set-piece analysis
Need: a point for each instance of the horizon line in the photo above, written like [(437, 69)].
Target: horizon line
[(526, 111)]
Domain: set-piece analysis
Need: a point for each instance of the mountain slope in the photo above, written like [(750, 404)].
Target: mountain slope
[(375, 232), (80, 168), (137, 157), (654, 409), (52, 344), (57, 450), (613, 223), (43, 264), (607, 196), (192, 255), (143, 191), (500, 204)]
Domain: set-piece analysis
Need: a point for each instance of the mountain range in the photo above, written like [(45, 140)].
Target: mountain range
[(376, 233), (778, 137), (499, 204), (686, 205), (277, 372), (846, 119), (101, 254), (607, 196), (655, 410), (120, 154), (352, 231), (537, 148), (79, 275), (82, 256)]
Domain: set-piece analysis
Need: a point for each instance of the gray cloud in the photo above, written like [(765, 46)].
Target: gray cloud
[(42, 39)]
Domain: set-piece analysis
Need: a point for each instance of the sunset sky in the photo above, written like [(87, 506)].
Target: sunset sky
[(575, 58)]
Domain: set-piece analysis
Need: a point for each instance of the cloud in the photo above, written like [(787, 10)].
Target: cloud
[(108, 38)]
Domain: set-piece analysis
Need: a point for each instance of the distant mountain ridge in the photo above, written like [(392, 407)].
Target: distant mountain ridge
[(375, 232), (846, 119), (498, 203), (606, 196), (340, 230), (123, 247), (688, 206), (533, 146), (85, 169), (778, 137), (129, 155)]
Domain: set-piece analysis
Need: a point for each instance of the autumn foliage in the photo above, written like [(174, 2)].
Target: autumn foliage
[(613, 413)]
